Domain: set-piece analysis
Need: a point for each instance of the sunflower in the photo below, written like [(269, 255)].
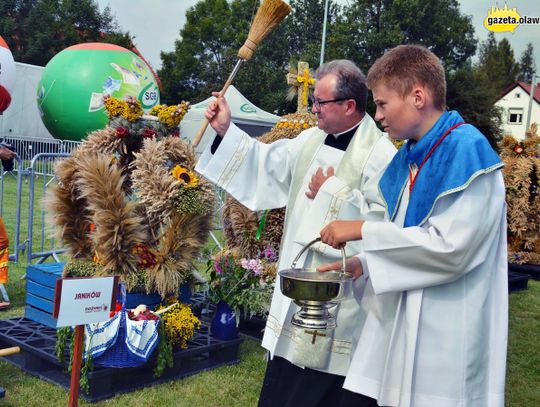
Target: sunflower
[(186, 177)]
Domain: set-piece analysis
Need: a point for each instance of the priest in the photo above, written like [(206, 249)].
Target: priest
[(326, 173)]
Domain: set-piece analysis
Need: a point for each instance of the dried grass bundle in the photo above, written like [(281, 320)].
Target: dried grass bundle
[(67, 210), (268, 16), (139, 233), (118, 228), (521, 175), (152, 181), (179, 244)]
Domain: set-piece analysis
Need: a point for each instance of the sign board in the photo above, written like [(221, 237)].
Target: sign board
[(81, 301)]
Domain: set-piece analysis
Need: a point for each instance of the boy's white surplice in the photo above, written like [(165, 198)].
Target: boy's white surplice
[(262, 176), (416, 341)]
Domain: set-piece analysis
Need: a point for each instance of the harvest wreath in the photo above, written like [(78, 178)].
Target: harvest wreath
[(522, 180)]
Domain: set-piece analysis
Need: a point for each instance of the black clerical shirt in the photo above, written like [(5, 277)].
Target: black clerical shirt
[(341, 142)]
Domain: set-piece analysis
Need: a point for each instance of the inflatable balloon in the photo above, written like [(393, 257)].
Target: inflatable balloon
[(70, 92), (7, 75)]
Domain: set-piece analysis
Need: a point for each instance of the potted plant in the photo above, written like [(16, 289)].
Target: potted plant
[(239, 286)]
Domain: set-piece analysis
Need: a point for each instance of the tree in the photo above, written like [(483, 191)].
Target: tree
[(497, 64), (215, 29), (36, 30), (469, 92), (209, 41), (527, 65), (206, 51), (369, 28)]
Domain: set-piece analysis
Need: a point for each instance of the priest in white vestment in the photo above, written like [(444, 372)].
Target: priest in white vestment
[(325, 173), (436, 299)]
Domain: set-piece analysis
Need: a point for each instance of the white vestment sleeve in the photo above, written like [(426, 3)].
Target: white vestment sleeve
[(257, 175), (454, 240)]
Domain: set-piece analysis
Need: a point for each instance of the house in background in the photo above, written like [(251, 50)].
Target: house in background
[(515, 107)]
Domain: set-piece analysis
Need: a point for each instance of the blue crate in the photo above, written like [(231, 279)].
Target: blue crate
[(40, 284)]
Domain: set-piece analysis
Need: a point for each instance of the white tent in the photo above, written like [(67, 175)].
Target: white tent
[(22, 118), (245, 115)]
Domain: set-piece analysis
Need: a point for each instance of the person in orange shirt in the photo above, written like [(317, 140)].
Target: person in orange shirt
[(5, 154)]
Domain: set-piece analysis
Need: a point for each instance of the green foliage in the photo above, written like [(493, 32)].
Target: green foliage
[(36, 30), (361, 31), (527, 65), (63, 337), (469, 92), (81, 268), (496, 64), (164, 357), (205, 54), (369, 28), (188, 200), (66, 336)]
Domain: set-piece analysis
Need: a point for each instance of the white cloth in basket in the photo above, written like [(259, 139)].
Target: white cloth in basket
[(101, 336), (141, 336)]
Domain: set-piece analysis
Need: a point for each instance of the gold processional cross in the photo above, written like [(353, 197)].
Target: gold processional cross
[(303, 82)]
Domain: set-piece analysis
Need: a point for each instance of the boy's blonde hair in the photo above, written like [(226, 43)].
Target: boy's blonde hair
[(405, 66)]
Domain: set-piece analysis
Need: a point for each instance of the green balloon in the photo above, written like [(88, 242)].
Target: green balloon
[(70, 92)]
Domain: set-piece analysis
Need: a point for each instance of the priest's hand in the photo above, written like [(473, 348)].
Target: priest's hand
[(317, 180), (353, 266), (338, 232), (218, 114)]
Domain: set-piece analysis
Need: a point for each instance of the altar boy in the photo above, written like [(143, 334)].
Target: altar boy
[(436, 299)]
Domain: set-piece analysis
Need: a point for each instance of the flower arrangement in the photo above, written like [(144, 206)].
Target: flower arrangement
[(521, 177), (128, 203), (245, 284), (297, 121), (178, 325)]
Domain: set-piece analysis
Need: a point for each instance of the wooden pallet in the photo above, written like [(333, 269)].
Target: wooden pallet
[(37, 342)]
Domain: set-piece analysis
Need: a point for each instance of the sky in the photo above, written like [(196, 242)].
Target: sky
[(156, 24)]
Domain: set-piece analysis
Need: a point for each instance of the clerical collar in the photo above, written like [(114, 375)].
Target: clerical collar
[(341, 140)]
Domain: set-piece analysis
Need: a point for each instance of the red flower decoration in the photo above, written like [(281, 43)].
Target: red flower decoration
[(122, 132), (149, 133), (518, 149)]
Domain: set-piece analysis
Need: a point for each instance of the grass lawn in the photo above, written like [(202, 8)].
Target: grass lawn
[(240, 385)]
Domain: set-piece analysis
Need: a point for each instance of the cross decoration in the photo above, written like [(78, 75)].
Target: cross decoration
[(303, 82), (315, 333)]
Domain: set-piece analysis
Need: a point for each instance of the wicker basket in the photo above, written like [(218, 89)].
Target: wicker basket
[(119, 354)]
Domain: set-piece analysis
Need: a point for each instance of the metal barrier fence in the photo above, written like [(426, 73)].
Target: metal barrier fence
[(27, 148), (47, 245), (12, 218)]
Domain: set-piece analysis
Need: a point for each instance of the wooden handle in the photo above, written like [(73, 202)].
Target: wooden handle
[(9, 351), (205, 123)]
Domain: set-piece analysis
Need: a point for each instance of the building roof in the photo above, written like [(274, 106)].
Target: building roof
[(526, 87)]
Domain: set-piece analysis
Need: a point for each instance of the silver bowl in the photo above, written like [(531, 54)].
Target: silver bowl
[(305, 285), (315, 292)]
